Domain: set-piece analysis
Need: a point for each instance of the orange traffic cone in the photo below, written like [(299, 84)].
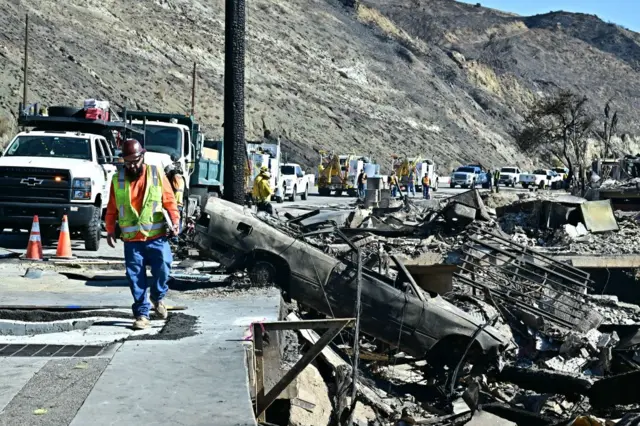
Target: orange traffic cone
[(64, 242), (34, 248)]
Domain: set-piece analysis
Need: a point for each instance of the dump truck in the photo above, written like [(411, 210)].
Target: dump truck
[(178, 139)]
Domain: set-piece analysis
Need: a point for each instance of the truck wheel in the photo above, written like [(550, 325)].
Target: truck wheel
[(464, 186), (294, 194), (525, 185), (452, 185), (324, 192), (92, 231), (338, 193), (305, 194)]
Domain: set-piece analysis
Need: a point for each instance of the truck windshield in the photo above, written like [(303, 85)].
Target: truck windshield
[(507, 170), (50, 146), (466, 170), (287, 170), (540, 172), (165, 140)]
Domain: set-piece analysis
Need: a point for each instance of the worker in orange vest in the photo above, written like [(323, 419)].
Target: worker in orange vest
[(139, 193), (426, 183)]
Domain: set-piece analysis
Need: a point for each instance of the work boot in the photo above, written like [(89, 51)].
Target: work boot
[(161, 309), (141, 323)]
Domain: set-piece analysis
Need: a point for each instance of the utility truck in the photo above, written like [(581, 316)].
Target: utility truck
[(62, 164), (421, 166), (177, 139)]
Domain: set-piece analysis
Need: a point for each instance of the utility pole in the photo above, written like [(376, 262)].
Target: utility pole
[(234, 142), (193, 91), (26, 61)]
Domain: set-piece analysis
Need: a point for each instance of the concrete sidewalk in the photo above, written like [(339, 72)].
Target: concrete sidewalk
[(196, 380)]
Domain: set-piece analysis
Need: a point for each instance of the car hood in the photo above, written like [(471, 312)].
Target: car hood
[(78, 168)]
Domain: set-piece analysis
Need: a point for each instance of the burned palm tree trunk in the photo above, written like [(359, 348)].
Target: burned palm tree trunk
[(234, 142)]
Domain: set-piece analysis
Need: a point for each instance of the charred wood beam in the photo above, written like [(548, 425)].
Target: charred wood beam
[(545, 381)]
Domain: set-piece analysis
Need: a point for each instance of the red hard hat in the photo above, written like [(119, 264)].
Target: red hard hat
[(132, 147)]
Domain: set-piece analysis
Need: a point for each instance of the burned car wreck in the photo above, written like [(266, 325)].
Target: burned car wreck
[(394, 309)]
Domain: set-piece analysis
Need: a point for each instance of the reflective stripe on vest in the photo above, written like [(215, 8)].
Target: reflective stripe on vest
[(150, 221)]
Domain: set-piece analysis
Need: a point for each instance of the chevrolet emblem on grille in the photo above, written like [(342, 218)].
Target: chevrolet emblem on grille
[(31, 181)]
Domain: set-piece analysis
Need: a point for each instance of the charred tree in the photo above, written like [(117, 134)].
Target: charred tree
[(234, 141), (559, 127)]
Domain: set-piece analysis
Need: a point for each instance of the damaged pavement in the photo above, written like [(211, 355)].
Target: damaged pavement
[(467, 310)]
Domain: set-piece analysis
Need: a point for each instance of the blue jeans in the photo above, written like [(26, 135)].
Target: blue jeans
[(361, 191), (411, 189), (137, 255), (425, 191)]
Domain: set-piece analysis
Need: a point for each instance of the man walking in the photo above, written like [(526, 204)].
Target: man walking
[(176, 180), (139, 193), (362, 184), (262, 191), (426, 183), (412, 182), (393, 184)]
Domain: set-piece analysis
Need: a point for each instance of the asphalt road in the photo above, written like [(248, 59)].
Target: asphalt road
[(17, 242)]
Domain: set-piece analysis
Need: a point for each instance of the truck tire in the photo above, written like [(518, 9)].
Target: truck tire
[(525, 185), (324, 192), (338, 193), (305, 194), (294, 194), (91, 232), (452, 185)]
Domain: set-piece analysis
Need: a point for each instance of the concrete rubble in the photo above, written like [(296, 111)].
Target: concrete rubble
[(491, 256)]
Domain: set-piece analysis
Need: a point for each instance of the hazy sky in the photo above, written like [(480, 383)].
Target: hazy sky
[(621, 12)]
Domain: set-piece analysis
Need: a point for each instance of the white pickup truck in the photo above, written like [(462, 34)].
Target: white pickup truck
[(509, 176), (63, 167), (541, 178), (294, 181)]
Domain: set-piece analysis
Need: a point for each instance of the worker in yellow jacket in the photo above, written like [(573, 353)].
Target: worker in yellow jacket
[(262, 191)]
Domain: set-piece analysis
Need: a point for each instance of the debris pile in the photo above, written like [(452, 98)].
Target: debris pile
[(513, 334)]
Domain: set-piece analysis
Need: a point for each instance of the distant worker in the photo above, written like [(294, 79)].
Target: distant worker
[(496, 176), (411, 188), (176, 179), (362, 184), (489, 179), (262, 191), (426, 184), (138, 195), (393, 184)]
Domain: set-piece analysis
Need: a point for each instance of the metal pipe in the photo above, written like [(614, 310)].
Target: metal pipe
[(580, 300), (26, 61), (356, 336), (569, 268), (193, 90)]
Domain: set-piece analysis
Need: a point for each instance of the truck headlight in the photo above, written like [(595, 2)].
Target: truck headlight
[(81, 189)]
